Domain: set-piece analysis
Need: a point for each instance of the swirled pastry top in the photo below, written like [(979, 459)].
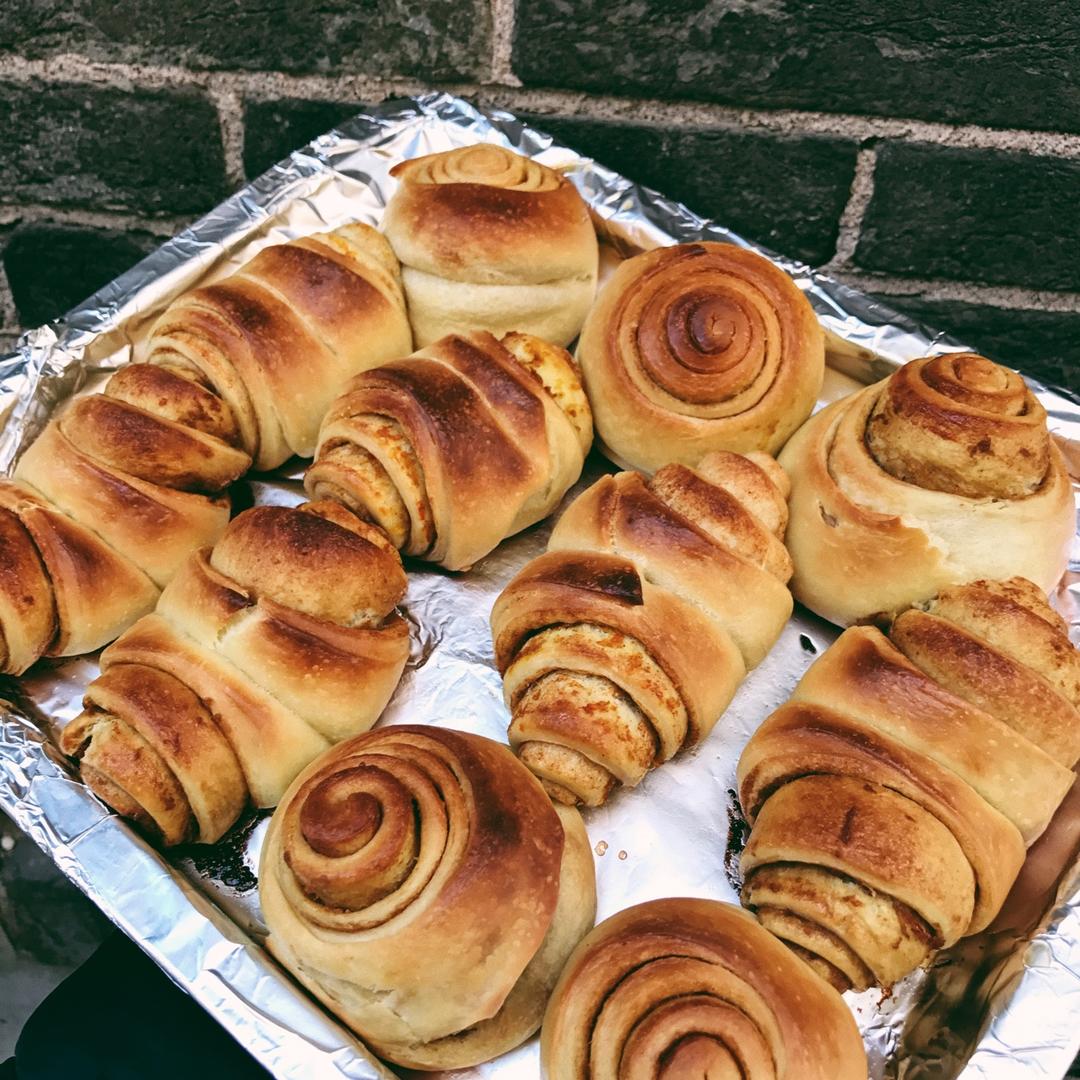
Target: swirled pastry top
[(941, 474), (484, 214), (419, 881), (699, 347), (693, 988)]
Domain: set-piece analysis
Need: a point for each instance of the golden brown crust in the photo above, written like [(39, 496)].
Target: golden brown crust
[(458, 446), (892, 798), (699, 347), (27, 607), (694, 985), (278, 339), (491, 240), (867, 543), (235, 683), (238, 371), (94, 591), (398, 841), (962, 424), (592, 638), (149, 734)]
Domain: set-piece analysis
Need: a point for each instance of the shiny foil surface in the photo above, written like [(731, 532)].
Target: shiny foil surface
[(1000, 1005)]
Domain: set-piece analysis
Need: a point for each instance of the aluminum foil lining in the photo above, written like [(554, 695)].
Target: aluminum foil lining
[(998, 1006)]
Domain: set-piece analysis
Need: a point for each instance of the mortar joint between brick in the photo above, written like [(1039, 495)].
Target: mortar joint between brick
[(71, 67), (1007, 297), (503, 15), (230, 109), (851, 219), (11, 213)]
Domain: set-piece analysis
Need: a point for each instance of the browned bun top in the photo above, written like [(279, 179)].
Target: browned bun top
[(485, 214), (354, 831), (962, 424), (699, 347), (681, 988), (417, 879), (174, 394), (319, 559)]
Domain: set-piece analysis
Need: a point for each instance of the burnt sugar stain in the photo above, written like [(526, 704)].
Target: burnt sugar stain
[(737, 835), (224, 861), (807, 644)]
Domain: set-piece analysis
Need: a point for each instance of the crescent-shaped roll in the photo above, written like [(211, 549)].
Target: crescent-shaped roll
[(699, 347), (628, 639), (938, 475), (491, 240), (418, 881), (680, 988), (122, 486), (281, 641), (893, 797), (458, 446)]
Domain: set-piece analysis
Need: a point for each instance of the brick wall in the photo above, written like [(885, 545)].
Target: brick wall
[(923, 150)]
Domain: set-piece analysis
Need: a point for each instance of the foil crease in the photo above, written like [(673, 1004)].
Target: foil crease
[(1003, 1004)]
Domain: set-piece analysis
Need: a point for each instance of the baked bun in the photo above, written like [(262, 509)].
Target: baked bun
[(262, 653), (680, 988), (419, 882), (699, 347), (627, 640), (940, 474), (122, 486), (491, 240), (458, 446), (892, 798)]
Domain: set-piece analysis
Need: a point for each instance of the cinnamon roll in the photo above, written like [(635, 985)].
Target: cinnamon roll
[(940, 474), (281, 641), (454, 448), (419, 882), (892, 798), (682, 988), (491, 240), (699, 347), (628, 639)]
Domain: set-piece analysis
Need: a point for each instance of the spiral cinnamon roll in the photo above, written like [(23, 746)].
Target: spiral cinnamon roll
[(699, 347), (419, 882), (681, 988), (891, 799), (491, 240), (628, 639), (943, 473)]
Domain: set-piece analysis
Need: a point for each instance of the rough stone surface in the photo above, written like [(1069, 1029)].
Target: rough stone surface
[(52, 267), (105, 148), (1044, 344), (375, 37), (787, 193), (982, 61), (973, 215), (273, 129)]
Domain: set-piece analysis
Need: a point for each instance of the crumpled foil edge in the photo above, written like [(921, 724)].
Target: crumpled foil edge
[(1033, 1015)]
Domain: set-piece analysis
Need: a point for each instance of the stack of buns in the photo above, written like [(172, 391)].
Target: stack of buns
[(429, 886)]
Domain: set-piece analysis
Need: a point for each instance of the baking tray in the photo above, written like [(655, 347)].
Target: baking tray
[(1003, 1004)]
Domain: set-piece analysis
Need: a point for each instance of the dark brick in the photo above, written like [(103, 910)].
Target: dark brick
[(785, 192), (975, 215), (1043, 344), (101, 147), (436, 39), (50, 267), (273, 129), (986, 61)]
